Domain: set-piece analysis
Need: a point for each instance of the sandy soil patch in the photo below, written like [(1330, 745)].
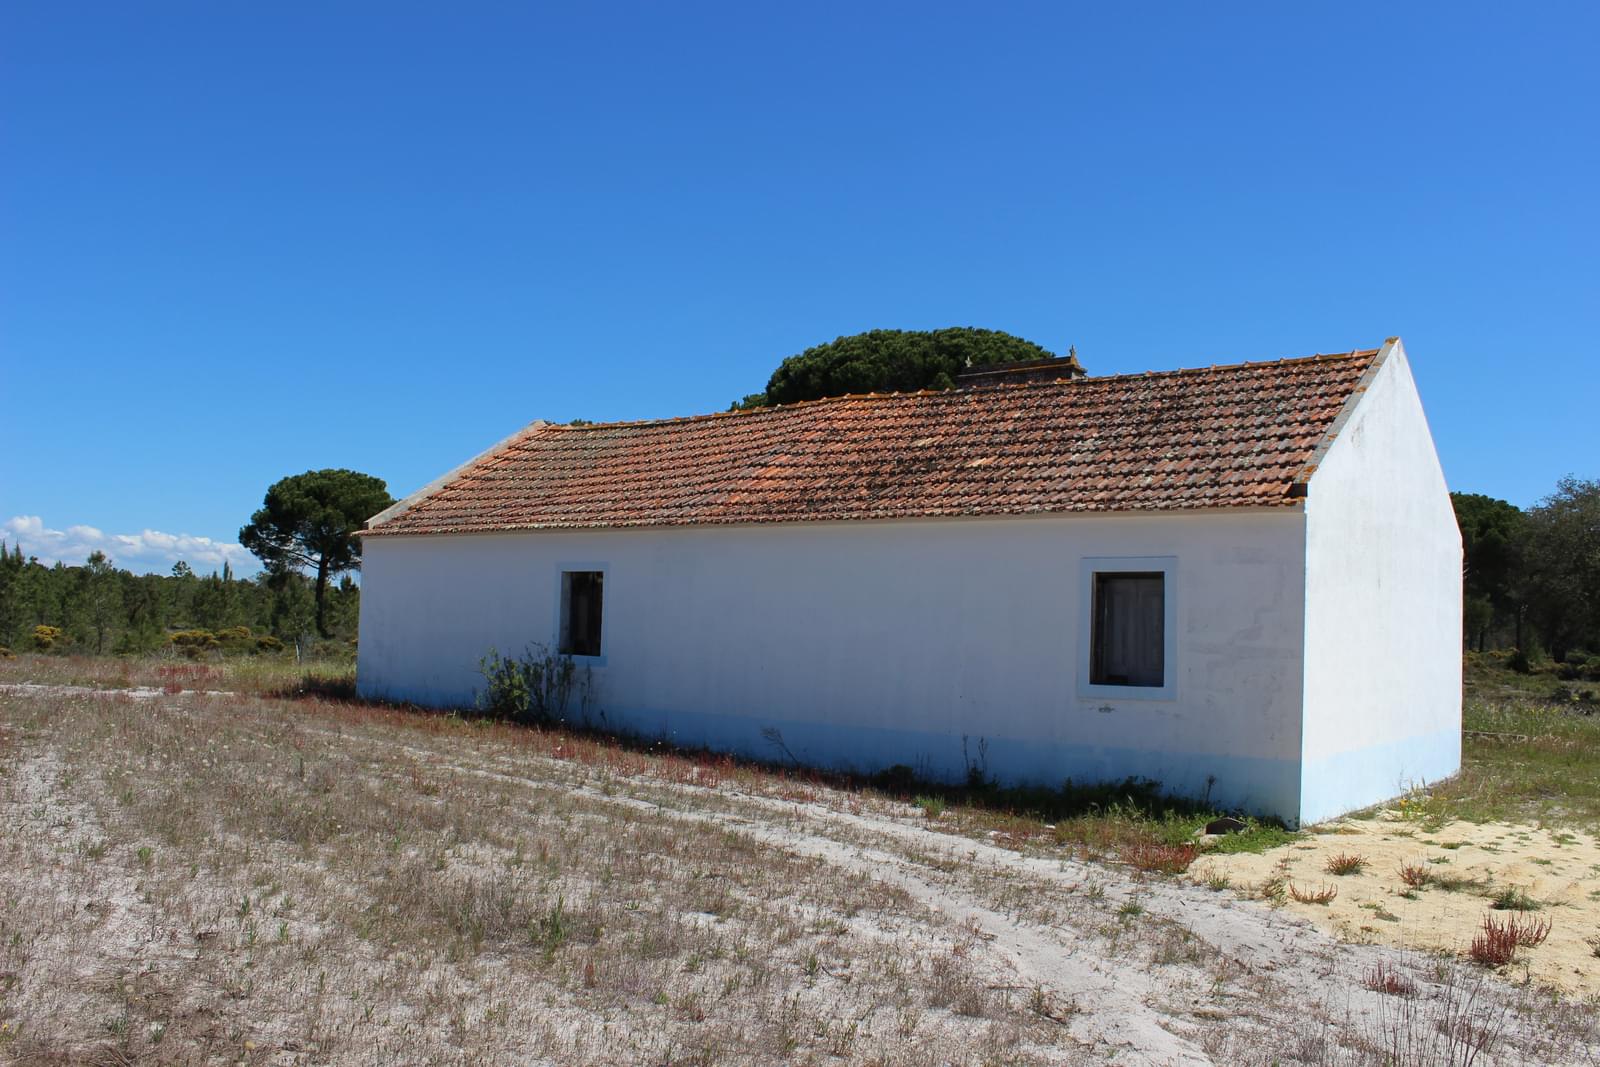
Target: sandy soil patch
[(1467, 866)]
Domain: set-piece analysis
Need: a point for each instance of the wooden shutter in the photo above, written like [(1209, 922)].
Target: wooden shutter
[(1129, 629)]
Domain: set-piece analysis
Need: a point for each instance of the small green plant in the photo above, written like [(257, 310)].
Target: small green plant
[(932, 806), (1459, 883), (1345, 863), (1274, 890), (551, 930), (536, 688), (1513, 898), (1131, 910)]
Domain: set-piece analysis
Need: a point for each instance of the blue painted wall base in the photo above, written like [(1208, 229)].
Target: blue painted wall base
[(1259, 786), (1348, 781)]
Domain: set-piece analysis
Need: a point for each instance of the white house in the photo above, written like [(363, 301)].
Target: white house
[(1242, 582)]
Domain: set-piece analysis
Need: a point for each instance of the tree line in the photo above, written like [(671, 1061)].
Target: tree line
[(97, 607), (304, 535), (1532, 578)]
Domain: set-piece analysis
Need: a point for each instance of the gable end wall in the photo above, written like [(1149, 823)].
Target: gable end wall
[(1383, 607)]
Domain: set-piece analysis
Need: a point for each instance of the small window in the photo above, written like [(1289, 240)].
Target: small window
[(581, 594), (1129, 629)]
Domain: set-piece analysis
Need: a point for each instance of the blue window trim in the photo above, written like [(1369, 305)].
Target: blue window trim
[(555, 628), (1090, 566)]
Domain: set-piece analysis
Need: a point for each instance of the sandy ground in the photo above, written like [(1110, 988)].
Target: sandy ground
[(1130, 968), (1470, 864)]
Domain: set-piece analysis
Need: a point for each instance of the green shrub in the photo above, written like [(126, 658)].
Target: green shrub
[(194, 643), (536, 688), (268, 643), (6, 653)]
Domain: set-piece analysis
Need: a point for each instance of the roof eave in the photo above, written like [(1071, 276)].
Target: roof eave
[(401, 507)]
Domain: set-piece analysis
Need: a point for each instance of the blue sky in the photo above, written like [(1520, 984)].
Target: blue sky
[(242, 241)]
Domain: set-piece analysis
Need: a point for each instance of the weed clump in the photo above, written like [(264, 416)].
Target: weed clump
[(1386, 978), (1323, 894), (1512, 898), (1496, 944), (1416, 875), (1346, 863), (1158, 857), (536, 688)]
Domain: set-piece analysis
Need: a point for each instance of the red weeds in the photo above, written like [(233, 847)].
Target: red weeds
[(192, 673), (1386, 978), (1498, 941), (1154, 856)]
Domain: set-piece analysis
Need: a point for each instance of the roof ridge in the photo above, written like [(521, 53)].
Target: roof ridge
[(1354, 353), (1202, 437)]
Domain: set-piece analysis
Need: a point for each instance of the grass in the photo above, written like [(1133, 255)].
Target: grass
[(272, 675), (1514, 898), (1523, 760), (375, 885), (932, 807)]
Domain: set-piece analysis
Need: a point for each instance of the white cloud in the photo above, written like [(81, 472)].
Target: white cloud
[(144, 552)]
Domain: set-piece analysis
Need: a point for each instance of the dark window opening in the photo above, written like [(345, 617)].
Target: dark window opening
[(581, 593), (1129, 630)]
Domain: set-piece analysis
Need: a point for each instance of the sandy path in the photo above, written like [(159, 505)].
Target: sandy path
[(1468, 865)]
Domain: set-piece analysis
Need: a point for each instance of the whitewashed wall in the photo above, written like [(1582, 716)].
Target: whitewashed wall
[(1383, 607), (871, 644)]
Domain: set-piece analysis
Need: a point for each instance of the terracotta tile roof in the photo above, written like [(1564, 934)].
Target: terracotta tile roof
[(1234, 436)]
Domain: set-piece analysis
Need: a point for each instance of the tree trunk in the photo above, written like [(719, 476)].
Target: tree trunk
[(322, 589)]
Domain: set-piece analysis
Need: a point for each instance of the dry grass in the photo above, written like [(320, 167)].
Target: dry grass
[(199, 878), (1386, 978), (1345, 863), (222, 878)]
